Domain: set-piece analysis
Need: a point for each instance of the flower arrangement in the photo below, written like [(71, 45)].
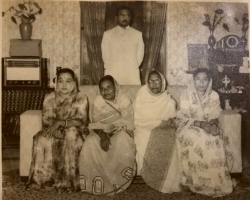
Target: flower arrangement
[(216, 20), (245, 23), (25, 10)]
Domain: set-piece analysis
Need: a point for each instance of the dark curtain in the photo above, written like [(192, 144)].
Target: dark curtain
[(153, 31), (92, 29)]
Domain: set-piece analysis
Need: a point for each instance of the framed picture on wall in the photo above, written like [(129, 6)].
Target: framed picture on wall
[(197, 56)]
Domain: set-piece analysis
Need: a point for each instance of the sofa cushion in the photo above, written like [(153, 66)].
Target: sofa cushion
[(130, 91)]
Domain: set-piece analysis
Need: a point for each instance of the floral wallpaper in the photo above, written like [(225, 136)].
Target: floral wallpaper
[(184, 26), (59, 29)]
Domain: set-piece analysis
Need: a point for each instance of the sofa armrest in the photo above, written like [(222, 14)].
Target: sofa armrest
[(230, 123), (30, 124)]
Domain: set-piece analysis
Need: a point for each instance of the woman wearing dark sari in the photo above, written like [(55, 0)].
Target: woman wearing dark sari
[(108, 155), (155, 135), (201, 143), (56, 148)]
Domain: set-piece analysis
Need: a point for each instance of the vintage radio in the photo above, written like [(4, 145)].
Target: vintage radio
[(25, 72)]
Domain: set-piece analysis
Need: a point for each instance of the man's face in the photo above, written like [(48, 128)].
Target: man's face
[(124, 18)]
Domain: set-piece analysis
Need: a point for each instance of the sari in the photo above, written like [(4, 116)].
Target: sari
[(55, 159), (202, 157), (106, 172), (156, 156)]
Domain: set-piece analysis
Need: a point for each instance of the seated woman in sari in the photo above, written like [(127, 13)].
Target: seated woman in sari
[(200, 143), (108, 155), (155, 135), (56, 148)]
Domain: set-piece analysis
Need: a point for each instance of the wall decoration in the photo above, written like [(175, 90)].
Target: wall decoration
[(26, 12)]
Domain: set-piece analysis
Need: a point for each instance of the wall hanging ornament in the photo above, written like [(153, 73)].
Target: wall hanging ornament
[(218, 16), (27, 12), (244, 29)]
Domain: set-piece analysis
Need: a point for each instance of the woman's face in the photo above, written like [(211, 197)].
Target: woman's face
[(201, 81), (107, 90), (65, 83), (155, 83)]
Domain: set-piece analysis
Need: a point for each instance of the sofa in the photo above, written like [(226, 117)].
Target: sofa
[(31, 123)]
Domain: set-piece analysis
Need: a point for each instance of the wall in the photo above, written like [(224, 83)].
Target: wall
[(184, 26), (59, 29)]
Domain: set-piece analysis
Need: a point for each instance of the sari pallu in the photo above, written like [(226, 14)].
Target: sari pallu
[(202, 157), (155, 139), (106, 172), (56, 160)]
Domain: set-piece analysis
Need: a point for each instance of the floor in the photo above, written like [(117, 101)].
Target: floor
[(14, 189)]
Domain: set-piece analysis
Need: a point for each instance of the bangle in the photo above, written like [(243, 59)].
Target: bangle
[(66, 123), (201, 124)]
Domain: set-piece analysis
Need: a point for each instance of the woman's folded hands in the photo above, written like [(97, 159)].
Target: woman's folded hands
[(211, 128), (105, 136)]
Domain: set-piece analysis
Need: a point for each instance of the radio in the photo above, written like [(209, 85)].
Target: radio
[(25, 72)]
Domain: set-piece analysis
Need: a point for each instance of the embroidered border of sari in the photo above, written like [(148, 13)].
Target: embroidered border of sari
[(158, 156)]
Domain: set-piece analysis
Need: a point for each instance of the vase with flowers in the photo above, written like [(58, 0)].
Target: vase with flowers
[(244, 29), (218, 16), (26, 12)]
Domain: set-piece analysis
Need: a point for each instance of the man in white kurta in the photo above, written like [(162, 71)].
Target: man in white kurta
[(123, 50)]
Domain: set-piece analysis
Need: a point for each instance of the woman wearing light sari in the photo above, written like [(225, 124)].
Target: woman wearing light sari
[(201, 143), (108, 154), (56, 148), (155, 135)]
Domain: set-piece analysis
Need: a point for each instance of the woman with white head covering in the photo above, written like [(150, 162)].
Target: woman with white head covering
[(155, 132)]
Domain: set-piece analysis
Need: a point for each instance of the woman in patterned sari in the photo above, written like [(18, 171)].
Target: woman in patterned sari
[(56, 148), (200, 142), (108, 155), (155, 135)]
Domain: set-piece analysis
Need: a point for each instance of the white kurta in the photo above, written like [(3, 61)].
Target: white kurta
[(122, 53)]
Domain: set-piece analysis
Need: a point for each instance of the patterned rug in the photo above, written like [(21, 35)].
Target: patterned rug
[(13, 189)]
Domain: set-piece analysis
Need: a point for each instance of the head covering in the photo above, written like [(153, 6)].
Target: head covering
[(163, 81), (192, 86), (74, 89), (117, 87), (120, 110), (153, 108)]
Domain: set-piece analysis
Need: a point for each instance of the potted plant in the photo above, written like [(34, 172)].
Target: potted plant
[(25, 11), (218, 16)]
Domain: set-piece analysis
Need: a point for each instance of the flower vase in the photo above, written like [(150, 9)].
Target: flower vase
[(25, 29), (211, 40)]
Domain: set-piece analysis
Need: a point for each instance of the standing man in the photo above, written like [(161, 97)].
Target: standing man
[(123, 49)]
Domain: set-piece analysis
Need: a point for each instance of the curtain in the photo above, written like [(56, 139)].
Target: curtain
[(93, 26), (153, 31)]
